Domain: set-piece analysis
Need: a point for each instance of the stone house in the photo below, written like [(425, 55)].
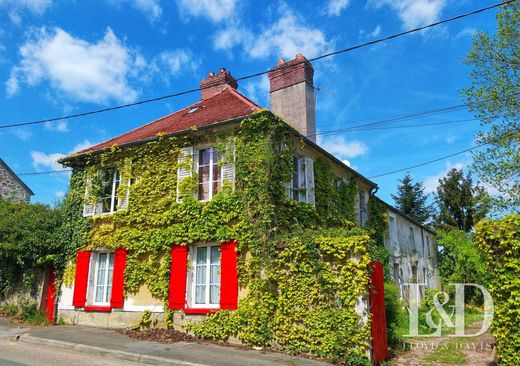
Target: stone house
[(11, 186), (162, 194)]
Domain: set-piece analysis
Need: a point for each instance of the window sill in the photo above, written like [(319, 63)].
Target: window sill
[(200, 311), (98, 308)]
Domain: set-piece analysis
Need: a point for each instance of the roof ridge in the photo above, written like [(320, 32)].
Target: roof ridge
[(246, 99)]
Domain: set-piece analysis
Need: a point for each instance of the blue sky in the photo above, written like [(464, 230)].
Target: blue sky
[(60, 57)]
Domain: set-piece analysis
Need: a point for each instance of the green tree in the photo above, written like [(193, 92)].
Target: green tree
[(494, 97), (28, 240), (411, 199), (460, 261), (461, 204)]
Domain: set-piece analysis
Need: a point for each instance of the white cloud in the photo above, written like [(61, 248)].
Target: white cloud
[(59, 126), (176, 61), (341, 148), (376, 31), (47, 161), (285, 38), (59, 194), (214, 10), (431, 182), (467, 32), (335, 7), (16, 7), (93, 72), (23, 134), (43, 161), (414, 13), (346, 162), (150, 8)]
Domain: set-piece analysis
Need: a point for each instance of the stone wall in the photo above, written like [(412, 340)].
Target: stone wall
[(10, 188)]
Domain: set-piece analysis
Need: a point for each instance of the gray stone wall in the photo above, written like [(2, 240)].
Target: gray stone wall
[(10, 188)]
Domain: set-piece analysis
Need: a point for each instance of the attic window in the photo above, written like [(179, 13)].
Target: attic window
[(195, 109)]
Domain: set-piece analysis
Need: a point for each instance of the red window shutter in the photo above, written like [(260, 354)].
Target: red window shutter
[(80, 283), (118, 279), (177, 296), (228, 276)]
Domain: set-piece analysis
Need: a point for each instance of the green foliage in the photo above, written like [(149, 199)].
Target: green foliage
[(461, 204), (493, 97), (307, 298), (146, 321), (28, 241), (411, 199), (297, 296), (25, 310), (461, 261), (395, 315), (500, 242)]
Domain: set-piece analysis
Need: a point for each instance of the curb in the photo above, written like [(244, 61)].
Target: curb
[(99, 351)]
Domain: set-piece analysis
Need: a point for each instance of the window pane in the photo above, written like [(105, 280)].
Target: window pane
[(200, 294), (200, 275), (99, 294), (106, 204), (204, 191), (102, 260), (216, 187), (216, 155), (216, 171), (108, 294), (214, 294), (203, 173), (204, 156), (215, 255)]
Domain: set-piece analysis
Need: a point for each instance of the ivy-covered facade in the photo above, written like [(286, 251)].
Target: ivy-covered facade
[(224, 220)]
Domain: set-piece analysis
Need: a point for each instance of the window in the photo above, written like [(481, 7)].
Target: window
[(110, 180), (296, 183), (104, 271), (411, 237), (210, 173), (301, 186), (363, 209), (205, 276)]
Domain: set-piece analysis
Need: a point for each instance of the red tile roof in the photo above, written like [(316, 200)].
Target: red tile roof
[(226, 105)]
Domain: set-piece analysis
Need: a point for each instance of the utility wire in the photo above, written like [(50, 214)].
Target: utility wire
[(279, 67), (428, 162)]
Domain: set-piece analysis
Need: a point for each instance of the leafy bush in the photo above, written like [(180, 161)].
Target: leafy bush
[(395, 315), (500, 242), (26, 311)]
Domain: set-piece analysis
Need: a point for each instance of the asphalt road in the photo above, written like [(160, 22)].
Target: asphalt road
[(13, 353)]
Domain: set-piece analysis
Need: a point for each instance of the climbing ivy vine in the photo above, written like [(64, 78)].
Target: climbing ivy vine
[(304, 267)]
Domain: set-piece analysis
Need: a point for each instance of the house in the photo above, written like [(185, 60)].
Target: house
[(11, 186), (413, 253), (224, 205)]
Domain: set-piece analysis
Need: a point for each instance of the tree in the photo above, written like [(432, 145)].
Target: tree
[(461, 261), (411, 199), (494, 96), (460, 203), (28, 240)]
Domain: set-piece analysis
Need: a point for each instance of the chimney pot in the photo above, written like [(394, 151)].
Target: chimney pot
[(215, 83), (281, 61)]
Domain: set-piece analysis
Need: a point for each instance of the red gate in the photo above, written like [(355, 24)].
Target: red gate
[(50, 296), (377, 309)]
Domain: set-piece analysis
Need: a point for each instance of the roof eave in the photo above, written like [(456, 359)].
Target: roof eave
[(16, 177), (155, 138), (396, 210)]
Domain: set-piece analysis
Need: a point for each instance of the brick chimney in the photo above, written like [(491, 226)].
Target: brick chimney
[(292, 94), (215, 83)]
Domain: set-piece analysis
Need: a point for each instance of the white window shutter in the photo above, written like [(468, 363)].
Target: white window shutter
[(309, 180), (123, 205), (185, 155), (228, 167), (88, 208)]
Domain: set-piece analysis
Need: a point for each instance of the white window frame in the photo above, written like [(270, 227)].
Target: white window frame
[(301, 184), (113, 197), (94, 287), (191, 295), (212, 151)]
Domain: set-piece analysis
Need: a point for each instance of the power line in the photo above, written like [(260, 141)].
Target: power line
[(189, 91), (427, 162)]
